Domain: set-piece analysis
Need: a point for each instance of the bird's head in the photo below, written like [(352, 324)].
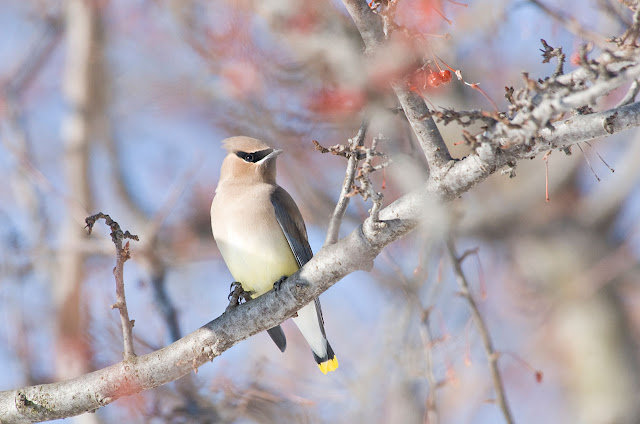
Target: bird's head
[(248, 161)]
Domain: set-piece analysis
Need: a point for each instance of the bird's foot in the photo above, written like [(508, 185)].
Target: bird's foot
[(246, 296), (278, 284), (235, 289), (236, 293)]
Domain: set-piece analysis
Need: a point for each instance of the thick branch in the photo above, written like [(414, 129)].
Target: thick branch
[(489, 158), (581, 128)]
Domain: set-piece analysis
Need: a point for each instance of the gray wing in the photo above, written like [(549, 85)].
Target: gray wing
[(292, 224)]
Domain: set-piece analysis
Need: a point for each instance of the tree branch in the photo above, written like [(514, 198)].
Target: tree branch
[(371, 29), (492, 356), (350, 173), (428, 134), (488, 157), (122, 255), (580, 128)]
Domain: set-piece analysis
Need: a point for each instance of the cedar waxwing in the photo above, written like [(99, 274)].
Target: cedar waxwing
[(262, 237)]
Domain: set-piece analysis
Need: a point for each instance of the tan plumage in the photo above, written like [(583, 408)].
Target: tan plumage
[(261, 234)]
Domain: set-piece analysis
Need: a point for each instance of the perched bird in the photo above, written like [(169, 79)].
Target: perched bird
[(262, 237)]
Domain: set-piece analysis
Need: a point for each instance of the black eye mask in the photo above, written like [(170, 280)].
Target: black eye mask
[(254, 156)]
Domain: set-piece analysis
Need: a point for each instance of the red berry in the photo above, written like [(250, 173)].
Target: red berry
[(539, 376), (445, 76), (434, 79)]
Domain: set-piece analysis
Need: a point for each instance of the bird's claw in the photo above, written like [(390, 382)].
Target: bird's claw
[(236, 293), (233, 285), (233, 288), (278, 284)]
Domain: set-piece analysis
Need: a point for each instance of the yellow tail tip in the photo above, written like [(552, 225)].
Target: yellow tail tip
[(329, 365)]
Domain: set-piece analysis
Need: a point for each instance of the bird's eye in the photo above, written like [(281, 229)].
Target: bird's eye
[(248, 157)]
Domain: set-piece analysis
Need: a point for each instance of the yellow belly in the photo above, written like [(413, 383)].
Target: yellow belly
[(252, 244), (258, 262)]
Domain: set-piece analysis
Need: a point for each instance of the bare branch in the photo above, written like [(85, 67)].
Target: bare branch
[(489, 158), (632, 33), (537, 113), (356, 151), (580, 128), (366, 189), (428, 134), (550, 52), (58, 400), (372, 30), (343, 200), (122, 255), (492, 356)]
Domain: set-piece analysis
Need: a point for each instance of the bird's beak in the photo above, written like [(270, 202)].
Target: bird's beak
[(270, 156)]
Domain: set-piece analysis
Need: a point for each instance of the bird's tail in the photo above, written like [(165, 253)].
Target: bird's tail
[(278, 337), (309, 321), (327, 363)]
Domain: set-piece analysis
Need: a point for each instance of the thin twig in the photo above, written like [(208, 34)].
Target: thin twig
[(431, 412), (343, 201), (492, 356), (632, 32), (588, 162), (366, 186), (545, 158), (122, 255), (601, 158), (550, 52)]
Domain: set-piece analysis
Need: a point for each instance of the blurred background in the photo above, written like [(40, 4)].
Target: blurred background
[(120, 106)]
